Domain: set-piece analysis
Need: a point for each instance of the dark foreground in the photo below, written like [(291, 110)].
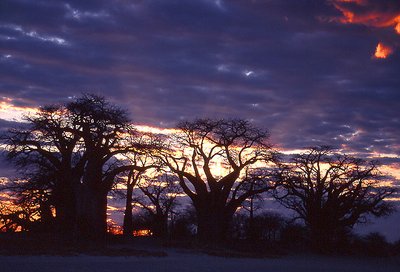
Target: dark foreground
[(188, 261), (30, 253)]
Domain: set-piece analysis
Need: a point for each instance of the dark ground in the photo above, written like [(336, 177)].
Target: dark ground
[(34, 254)]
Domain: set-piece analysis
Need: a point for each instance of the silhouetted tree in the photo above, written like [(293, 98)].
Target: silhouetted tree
[(252, 205), (80, 142), (158, 198), (32, 210), (102, 129), (142, 162), (211, 159), (131, 181), (46, 145), (25, 208), (331, 193), (138, 163)]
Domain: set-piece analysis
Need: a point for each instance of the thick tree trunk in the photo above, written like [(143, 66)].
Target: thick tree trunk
[(213, 225), (65, 206), (128, 220), (322, 231), (92, 214), (213, 219)]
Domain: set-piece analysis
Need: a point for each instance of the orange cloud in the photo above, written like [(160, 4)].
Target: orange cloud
[(10, 112), (398, 26), (363, 12), (382, 51)]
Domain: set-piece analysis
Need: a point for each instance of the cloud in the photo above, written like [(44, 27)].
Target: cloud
[(373, 13), (312, 81), (383, 51), (302, 69)]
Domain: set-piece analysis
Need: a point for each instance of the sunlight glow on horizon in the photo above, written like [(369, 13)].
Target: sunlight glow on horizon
[(155, 130), (10, 112)]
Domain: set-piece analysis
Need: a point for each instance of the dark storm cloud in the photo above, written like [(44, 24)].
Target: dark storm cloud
[(286, 65)]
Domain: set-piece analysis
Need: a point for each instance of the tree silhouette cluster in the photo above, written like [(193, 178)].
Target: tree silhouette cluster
[(331, 192), (71, 149), (71, 156)]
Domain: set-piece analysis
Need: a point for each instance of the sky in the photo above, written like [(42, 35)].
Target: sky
[(312, 72)]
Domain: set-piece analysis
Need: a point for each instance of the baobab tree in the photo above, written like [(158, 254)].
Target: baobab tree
[(211, 159), (331, 192), (45, 145), (80, 141)]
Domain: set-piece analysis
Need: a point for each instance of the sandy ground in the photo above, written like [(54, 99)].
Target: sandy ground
[(185, 262)]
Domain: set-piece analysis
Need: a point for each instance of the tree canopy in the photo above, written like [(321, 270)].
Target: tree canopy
[(220, 163), (331, 192), (79, 143)]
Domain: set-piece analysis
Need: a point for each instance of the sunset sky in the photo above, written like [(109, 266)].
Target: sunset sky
[(312, 72)]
